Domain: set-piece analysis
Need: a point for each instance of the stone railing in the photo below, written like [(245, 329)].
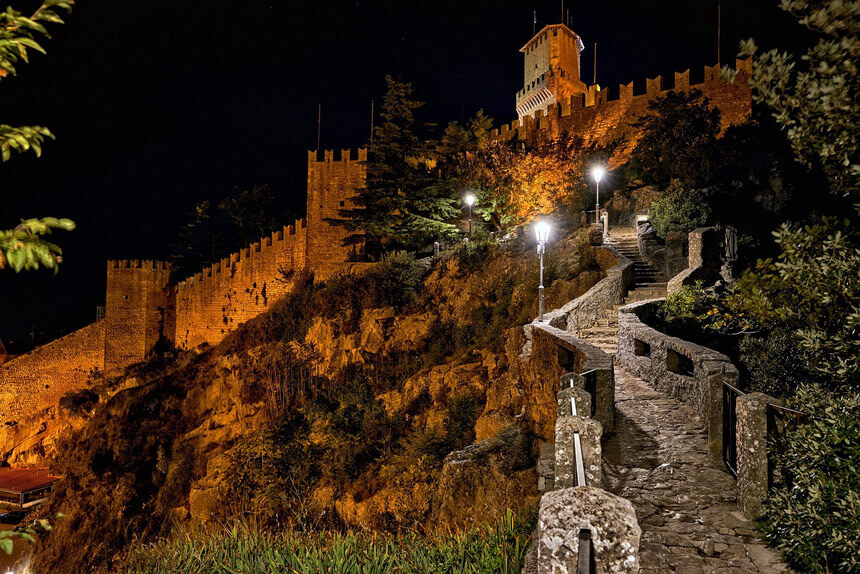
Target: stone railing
[(688, 372), (574, 509), (707, 380), (704, 248), (584, 311)]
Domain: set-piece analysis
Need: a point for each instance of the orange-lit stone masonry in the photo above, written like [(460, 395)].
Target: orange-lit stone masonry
[(141, 305), (598, 120), (38, 379)]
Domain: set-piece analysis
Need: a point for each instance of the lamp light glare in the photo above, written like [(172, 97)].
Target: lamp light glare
[(542, 231), (597, 173), (470, 199)]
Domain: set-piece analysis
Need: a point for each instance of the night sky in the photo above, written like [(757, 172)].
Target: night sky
[(157, 104)]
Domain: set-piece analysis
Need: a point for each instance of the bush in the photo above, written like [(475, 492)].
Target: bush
[(396, 279), (471, 256), (681, 209), (815, 522), (79, 403), (773, 364)]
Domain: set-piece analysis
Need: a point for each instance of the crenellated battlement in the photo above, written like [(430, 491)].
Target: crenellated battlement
[(345, 156), (149, 264), (278, 241), (596, 98)]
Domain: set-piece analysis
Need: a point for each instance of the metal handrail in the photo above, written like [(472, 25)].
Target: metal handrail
[(586, 564)]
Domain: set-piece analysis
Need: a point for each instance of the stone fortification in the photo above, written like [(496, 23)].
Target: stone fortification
[(142, 307), (601, 116), (215, 301)]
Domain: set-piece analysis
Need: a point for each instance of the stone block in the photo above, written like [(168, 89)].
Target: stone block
[(589, 431), (580, 396), (752, 452), (615, 533)]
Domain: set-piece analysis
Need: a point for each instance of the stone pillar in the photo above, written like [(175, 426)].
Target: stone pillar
[(589, 431), (583, 402), (611, 519), (714, 411), (752, 452), (546, 467), (604, 410)]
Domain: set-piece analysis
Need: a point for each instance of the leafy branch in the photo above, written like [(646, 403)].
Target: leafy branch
[(18, 35), (24, 247)]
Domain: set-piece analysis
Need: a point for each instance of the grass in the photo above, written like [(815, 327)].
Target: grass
[(498, 549)]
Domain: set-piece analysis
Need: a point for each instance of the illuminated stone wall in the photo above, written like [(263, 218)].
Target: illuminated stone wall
[(332, 183), (141, 306), (217, 300), (135, 305), (597, 119), (38, 379)]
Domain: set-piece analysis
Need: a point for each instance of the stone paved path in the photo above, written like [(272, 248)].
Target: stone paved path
[(657, 458)]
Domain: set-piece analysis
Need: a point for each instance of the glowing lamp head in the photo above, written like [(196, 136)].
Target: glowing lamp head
[(542, 231), (470, 199), (597, 173)]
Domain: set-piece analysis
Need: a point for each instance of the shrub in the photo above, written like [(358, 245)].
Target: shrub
[(79, 403), (681, 209), (773, 363), (396, 279), (471, 256), (815, 521), (689, 301)]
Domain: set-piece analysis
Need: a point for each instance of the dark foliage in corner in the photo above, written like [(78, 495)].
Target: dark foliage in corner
[(813, 519)]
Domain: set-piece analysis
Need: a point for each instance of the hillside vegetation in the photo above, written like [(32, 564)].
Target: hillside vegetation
[(333, 411)]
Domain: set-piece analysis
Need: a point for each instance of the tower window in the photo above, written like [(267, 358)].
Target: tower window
[(342, 203), (555, 32)]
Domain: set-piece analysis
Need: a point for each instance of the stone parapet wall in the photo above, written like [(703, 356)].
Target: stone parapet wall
[(212, 303), (574, 509), (601, 117), (670, 257), (688, 372), (36, 380), (584, 311), (704, 249)]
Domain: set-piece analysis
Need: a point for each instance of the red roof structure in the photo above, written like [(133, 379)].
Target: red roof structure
[(25, 487)]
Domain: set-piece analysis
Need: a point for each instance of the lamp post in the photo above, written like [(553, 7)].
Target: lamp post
[(597, 174), (470, 201), (542, 232)]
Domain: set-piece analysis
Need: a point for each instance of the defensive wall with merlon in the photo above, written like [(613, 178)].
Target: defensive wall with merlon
[(601, 116), (143, 307)]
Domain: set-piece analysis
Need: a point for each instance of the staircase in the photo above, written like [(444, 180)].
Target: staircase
[(649, 284)]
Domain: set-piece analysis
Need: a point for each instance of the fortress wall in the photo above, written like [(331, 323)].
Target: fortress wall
[(135, 306), (212, 303), (332, 183), (38, 379), (597, 119)]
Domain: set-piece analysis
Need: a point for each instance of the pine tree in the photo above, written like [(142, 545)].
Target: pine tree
[(403, 204)]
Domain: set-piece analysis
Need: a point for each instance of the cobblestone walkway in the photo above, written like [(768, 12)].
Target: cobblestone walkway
[(657, 458)]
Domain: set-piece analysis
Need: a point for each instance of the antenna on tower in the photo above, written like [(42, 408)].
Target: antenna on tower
[(595, 64), (319, 124), (371, 124), (718, 31), (568, 18), (534, 24), (562, 11)]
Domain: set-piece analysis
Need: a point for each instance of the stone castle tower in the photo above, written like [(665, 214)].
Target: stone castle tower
[(551, 69), (332, 183), (136, 303)]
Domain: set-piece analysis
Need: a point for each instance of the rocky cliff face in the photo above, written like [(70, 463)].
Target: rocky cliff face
[(177, 438)]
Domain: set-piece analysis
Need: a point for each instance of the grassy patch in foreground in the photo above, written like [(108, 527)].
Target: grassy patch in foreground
[(500, 548)]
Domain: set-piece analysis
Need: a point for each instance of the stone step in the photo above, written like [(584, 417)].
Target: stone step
[(601, 330)]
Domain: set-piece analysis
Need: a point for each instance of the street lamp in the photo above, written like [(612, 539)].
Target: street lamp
[(597, 174), (542, 233), (470, 201)]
